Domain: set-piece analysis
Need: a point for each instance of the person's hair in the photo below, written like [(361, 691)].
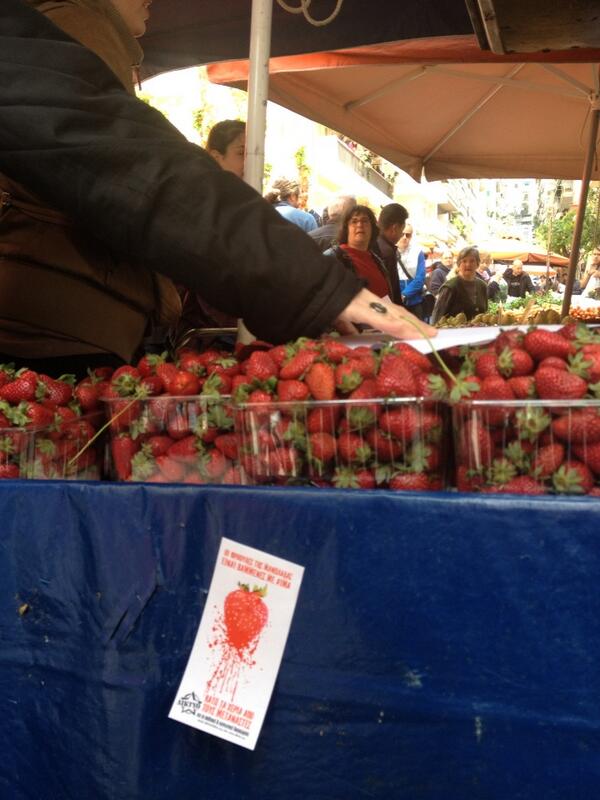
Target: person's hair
[(224, 133), (466, 252), (281, 189), (336, 208), (343, 235), (485, 258), (392, 214)]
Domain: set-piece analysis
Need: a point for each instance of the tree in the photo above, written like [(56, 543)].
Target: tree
[(563, 227)]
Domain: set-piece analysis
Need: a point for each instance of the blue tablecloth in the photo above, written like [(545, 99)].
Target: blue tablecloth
[(444, 647)]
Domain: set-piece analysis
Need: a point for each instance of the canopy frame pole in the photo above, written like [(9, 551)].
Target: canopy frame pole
[(585, 185), (258, 91)]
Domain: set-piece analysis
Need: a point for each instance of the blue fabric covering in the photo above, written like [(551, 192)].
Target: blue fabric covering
[(444, 647)]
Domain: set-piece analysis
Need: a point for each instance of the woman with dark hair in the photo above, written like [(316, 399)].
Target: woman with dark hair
[(226, 143), (466, 293), (357, 238)]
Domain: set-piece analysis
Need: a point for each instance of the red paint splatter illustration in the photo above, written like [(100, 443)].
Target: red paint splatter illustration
[(238, 630)]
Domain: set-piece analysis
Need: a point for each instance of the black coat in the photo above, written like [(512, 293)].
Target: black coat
[(72, 134)]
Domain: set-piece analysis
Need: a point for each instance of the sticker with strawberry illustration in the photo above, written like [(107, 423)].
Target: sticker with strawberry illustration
[(231, 671)]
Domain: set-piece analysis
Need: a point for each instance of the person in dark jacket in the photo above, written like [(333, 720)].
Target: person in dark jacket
[(358, 235), (518, 281), (466, 293), (122, 174), (441, 272), (391, 222)]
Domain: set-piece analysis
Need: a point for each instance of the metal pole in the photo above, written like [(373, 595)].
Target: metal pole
[(258, 91), (585, 185)]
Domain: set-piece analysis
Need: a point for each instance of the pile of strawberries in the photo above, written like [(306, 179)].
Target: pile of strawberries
[(363, 427), (44, 426), (538, 429), (172, 422)]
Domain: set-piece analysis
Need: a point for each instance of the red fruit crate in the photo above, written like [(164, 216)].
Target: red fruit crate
[(171, 439), (70, 449), (392, 443), (528, 446)]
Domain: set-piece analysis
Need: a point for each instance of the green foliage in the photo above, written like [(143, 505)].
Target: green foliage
[(563, 227)]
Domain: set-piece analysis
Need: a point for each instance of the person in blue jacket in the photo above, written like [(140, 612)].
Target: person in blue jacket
[(411, 271), (284, 194)]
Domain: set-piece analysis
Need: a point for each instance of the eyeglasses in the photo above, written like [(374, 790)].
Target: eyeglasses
[(407, 235)]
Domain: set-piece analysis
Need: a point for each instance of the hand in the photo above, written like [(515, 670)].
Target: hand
[(397, 321)]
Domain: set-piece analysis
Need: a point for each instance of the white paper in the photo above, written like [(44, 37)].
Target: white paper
[(231, 671)]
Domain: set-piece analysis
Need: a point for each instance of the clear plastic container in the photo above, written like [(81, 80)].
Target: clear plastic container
[(528, 446), (71, 450), (169, 439), (394, 443)]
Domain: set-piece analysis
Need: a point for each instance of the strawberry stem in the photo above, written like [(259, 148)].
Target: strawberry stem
[(100, 431)]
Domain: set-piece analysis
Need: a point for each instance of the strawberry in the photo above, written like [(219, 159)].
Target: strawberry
[(589, 454), (548, 459), (412, 356), (520, 484), (123, 448), (407, 422), (578, 427), (555, 384), (39, 416), (523, 386), (23, 387), (322, 419), (573, 477), (385, 448), (184, 384), (554, 362), (433, 386), (475, 446), (152, 385), (213, 464), (234, 476), (297, 365), (87, 394), (54, 392), (322, 447), (487, 366), (279, 353), (224, 366), (347, 377), (320, 380), (260, 366), (217, 383), (292, 391), (364, 361), (191, 361), (512, 338), (353, 448), (149, 362), (410, 482), (335, 351), (282, 461), (170, 469), (395, 378), (348, 478), (158, 444), (513, 361), (245, 615), (184, 451), (9, 471), (166, 372), (468, 480), (227, 443), (542, 343)]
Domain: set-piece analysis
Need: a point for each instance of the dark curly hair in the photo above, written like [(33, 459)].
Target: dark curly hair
[(343, 234)]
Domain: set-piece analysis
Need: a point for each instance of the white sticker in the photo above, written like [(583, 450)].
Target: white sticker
[(231, 671)]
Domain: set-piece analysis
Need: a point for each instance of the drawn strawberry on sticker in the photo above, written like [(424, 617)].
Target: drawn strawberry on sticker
[(246, 614)]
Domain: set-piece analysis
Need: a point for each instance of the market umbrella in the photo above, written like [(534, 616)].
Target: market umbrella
[(509, 249), (442, 108)]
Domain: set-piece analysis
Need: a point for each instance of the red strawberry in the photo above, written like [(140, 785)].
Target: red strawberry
[(260, 366), (578, 427), (353, 448), (542, 343), (347, 377), (512, 361), (410, 482), (321, 381), (234, 476), (322, 446), (520, 484), (39, 416), (170, 469), (384, 447), (296, 366), (158, 444), (348, 478), (213, 464), (407, 423), (166, 372), (322, 419), (21, 388), (88, 394), (245, 615), (555, 384), (412, 356), (475, 446), (335, 351), (292, 390), (148, 363), (487, 366), (191, 361), (573, 477), (364, 361), (523, 386), (123, 449), (184, 451), (395, 378), (152, 385), (227, 443), (183, 384), (468, 480), (434, 386), (589, 453), (282, 461), (54, 392), (510, 338), (554, 362), (548, 459), (9, 471)]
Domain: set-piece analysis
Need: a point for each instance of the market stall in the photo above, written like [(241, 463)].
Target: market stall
[(442, 646)]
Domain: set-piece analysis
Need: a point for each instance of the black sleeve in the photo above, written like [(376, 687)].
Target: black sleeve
[(437, 281), (70, 133), (529, 285)]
